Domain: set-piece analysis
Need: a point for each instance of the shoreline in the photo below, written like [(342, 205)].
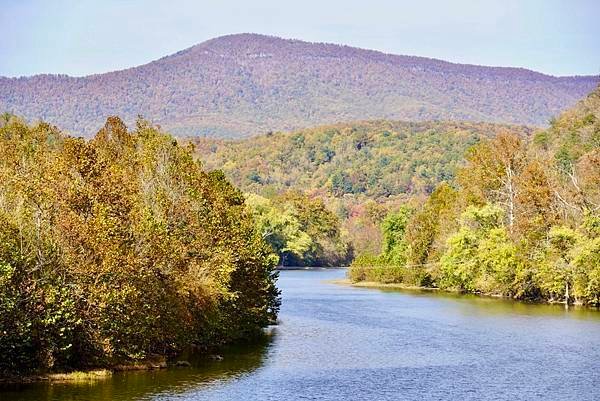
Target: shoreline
[(376, 285), (153, 362), (285, 268), (87, 375), (65, 377)]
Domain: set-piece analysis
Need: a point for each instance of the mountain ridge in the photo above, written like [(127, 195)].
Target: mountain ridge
[(243, 84), (297, 40)]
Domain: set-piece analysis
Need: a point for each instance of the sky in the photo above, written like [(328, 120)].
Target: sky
[(557, 37)]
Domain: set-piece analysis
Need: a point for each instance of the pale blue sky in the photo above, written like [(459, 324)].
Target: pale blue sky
[(559, 37)]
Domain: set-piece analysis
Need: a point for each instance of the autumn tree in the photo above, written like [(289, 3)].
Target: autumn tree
[(121, 247)]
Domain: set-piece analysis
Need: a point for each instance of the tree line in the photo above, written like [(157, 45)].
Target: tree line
[(521, 219), (301, 230)]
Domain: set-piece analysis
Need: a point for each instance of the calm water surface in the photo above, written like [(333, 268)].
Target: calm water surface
[(344, 343)]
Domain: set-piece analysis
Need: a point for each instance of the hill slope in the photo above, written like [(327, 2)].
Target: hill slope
[(374, 159), (247, 83)]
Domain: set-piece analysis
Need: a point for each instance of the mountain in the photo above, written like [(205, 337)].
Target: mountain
[(369, 159), (247, 83)]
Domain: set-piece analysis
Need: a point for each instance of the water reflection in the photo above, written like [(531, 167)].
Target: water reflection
[(344, 343), (487, 305), (238, 360)]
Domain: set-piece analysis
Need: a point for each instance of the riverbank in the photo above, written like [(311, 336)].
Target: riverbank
[(190, 358), (76, 376), (400, 286), (93, 374), (375, 284)]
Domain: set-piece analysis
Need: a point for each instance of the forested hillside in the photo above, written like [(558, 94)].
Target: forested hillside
[(374, 159), (360, 170), (522, 219), (250, 84), (120, 248)]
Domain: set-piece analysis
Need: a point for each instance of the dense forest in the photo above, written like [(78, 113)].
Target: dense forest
[(301, 230), (247, 84), (359, 170), (119, 248), (377, 159), (521, 219)]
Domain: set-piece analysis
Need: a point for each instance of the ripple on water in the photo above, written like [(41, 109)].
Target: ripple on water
[(344, 343)]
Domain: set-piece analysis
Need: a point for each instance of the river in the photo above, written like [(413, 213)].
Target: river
[(343, 343)]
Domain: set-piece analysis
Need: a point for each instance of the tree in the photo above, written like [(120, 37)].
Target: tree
[(280, 228), (586, 263), (424, 228), (481, 257), (557, 273), (120, 247), (535, 202), (492, 171), (394, 243)]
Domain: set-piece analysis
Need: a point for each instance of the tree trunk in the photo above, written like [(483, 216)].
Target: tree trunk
[(510, 188)]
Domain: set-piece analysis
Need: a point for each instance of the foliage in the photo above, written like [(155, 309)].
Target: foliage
[(374, 159), (300, 230), (394, 228), (430, 223), (375, 268), (355, 168), (529, 218), (120, 247), (480, 257)]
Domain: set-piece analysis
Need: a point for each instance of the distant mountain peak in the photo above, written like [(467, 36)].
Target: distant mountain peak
[(249, 83)]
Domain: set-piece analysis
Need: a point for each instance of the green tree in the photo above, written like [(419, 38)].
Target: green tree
[(557, 272), (394, 229), (280, 228), (481, 256), (427, 230)]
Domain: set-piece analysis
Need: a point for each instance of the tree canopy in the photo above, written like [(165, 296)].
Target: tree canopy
[(121, 247), (522, 220)]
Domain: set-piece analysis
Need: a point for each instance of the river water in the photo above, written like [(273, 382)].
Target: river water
[(343, 343)]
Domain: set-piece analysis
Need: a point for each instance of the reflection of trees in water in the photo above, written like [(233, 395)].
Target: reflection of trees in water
[(238, 359), (483, 305)]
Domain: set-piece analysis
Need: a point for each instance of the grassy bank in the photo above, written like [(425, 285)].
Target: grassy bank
[(75, 376), (375, 284), (93, 374)]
